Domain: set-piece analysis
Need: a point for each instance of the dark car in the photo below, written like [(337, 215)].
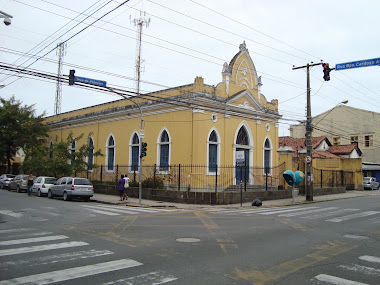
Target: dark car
[(5, 179), (71, 187)]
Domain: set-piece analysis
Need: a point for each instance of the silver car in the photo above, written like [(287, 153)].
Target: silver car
[(5, 179), (370, 183), (70, 187), (42, 185)]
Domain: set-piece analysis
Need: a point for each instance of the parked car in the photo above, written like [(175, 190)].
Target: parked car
[(19, 183), (370, 183), (71, 187), (5, 179), (42, 185)]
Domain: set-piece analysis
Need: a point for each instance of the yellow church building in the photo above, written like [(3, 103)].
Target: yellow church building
[(211, 126)]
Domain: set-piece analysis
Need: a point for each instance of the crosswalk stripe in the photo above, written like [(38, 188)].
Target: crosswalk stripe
[(307, 212), (11, 213), (287, 210), (336, 280), (15, 235), (73, 273), (36, 248), (15, 230), (334, 213), (56, 258), (110, 209), (370, 258), (353, 216), (361, 269), (152, 278), (31, 240), (104, 212)]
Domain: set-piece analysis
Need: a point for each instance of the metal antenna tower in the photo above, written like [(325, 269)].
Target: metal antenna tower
[(58, 95), (139, 22)]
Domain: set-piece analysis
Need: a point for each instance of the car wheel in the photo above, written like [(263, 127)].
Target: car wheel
[(39, 193), (86, 199), (50, 195), (2, 186), (66, 197), (18, 189)]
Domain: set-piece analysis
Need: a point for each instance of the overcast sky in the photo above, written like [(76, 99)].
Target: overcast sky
[(187, 38)]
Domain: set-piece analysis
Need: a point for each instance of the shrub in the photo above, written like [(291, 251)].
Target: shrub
[(150, 183)]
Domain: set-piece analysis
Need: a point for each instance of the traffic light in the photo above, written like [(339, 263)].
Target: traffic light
[(326, 71), (143, 149), (71, 77)]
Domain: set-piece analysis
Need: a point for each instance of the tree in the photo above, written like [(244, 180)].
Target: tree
[(20, 128)]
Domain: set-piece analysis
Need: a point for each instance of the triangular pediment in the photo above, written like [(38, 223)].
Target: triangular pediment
[(244, 99)]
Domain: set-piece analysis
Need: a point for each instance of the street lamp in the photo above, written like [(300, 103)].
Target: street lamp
[(343, 102), (7, 18)]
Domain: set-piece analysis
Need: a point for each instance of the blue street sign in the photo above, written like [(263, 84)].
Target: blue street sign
[(90, 81), (360, 63)]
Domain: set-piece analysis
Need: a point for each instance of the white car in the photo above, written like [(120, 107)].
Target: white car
[(42, 185)]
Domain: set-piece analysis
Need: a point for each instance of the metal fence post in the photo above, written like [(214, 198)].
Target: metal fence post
[(321, 178), (179, 177), (216, 178), (154, 176), (101, 174), (117, 173)]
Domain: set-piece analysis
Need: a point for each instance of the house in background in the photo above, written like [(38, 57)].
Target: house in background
[(344, 125)]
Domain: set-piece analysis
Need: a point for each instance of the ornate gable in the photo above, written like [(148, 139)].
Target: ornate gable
[(240, 74)]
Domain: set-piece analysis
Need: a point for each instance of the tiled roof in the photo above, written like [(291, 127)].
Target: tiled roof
[(299, 143), (324, 154), (344, 149)]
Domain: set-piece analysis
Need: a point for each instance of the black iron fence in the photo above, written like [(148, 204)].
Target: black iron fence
[(192, 177), (331, 178)]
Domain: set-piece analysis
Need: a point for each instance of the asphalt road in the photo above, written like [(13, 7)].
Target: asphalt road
[(45, 241)]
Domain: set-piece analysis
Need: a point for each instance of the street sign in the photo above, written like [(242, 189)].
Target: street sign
[(90, 81), (240, 157), (356, 64), (308, 159)]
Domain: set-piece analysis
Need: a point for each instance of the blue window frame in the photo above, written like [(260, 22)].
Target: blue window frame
[(212, 152), (90, 158), (111, 154), (135, 152), (164, 151)]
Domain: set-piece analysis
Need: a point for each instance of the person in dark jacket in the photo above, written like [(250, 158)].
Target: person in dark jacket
[(29, 184), (120, 187)]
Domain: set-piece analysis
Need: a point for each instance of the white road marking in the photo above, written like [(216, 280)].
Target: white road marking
[(334, 213), (370, 258), (15, 230), (11, 213), (307, 212), (104, 212), (336, 280), (361, 269), (287, 210), (28, 234), (73, 273), (36, 248), (353, 216), (50, 259), (112, 209), (152, 278), (31, 240)]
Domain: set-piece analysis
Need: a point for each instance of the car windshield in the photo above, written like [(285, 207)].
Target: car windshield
[(50, 180), (366, 179), (81, 181), (10, 175)]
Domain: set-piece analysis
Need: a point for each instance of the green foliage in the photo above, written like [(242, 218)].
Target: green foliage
[(150, 183), (19, 129)]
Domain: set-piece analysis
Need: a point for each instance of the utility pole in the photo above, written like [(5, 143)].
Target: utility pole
[(139, 22), (58, 95), (308, 135)]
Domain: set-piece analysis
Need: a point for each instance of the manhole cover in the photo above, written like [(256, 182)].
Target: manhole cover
[(188, 240)]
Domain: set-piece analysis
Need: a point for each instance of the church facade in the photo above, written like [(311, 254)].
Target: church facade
[(195, 124)]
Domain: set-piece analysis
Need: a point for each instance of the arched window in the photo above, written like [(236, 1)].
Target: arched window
[(135, 145), (267, 156), (242, 145), (51, 150), (213, 152), (90, 157), (110, 154), (164, 150)]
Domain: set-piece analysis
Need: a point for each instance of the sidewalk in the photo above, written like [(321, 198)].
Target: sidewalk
[(134, 202)]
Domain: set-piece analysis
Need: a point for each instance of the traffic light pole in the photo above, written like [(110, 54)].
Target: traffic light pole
[(308, 135)]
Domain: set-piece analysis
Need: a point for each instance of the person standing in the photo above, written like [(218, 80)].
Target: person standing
[(126, 186), (120, 187), (29, 184)]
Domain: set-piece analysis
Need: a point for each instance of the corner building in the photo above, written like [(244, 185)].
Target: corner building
[(195, 124)]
